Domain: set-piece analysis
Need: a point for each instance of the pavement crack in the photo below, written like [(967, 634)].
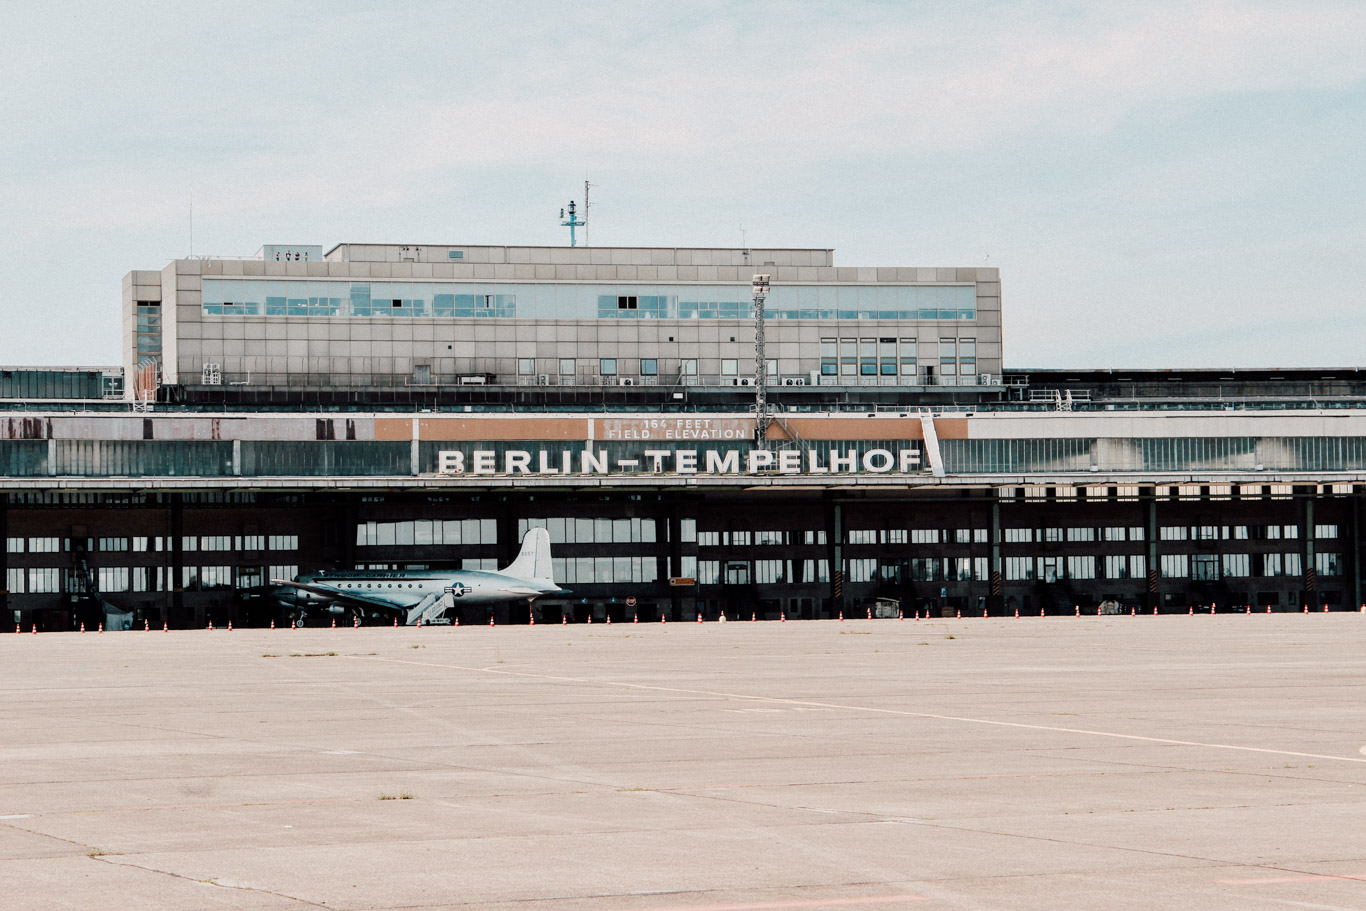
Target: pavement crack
[(205, 882)]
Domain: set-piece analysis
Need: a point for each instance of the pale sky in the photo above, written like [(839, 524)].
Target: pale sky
[(1161, 184)]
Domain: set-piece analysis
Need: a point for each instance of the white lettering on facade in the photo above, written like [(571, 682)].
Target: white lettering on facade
[(680, 461)]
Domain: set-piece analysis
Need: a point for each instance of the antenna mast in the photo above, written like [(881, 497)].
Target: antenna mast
[(760, 289), (586, 185)]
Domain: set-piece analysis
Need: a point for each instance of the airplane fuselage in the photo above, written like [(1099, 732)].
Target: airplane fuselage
[(408, 588)]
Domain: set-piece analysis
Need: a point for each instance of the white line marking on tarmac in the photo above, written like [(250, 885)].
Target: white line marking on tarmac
[(803, 903), (864, 708), (18, 816), (1272, 880)]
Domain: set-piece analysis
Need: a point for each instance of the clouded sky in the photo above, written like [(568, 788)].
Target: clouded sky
[(1161, 184)]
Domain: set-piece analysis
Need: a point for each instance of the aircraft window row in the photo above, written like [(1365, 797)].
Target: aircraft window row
[(429, 583), (421, 532), (599, 530)]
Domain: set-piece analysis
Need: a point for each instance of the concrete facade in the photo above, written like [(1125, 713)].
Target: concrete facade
[(555, 347)]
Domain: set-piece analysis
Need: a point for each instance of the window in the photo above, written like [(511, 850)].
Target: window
[(1019, 535), (628, 302), (926, 569), (769, 572), (649, 366), (607, 366), (215, 542), (815, 571), (708, 572), (1116, 533), (687, 530), (14, 546), (1272, 565), (867, 357), (962, 536), (1081, 567), (1325, 531), (1205, 567), (526, 366), (249, 577), (1328, 564), (688, 366), (729, 367), (848, 357), (140, 545), (285, 572), (862, 536), (113, 579), (44, 545), (1237, 566), (14, 581), (924, 536), (1175, 566), (1019, 568), (44, 580), (829, 357), (284, 542), (908, 357), (1173, 532), (1205, 533), (112, 545), (770, 537), (1081, 534), (895, 536), (566, 366), (708, 539), (1052, 534), (1124, 566), (1294, 566), (251, 542), (813, 537), (740, 538)]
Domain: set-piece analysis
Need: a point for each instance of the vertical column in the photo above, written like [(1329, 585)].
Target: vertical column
[(674, 519), (4, 563), (414, 452), (837, 564), (1307, 533), (176, 583), (1353, 549), (996, 589), (1153, 573)]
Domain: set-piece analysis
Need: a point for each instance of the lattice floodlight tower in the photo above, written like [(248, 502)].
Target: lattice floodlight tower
[(759, 285)]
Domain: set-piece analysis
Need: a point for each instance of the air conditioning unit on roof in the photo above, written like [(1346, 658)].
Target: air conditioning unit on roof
[(744, 381), (625, 381)]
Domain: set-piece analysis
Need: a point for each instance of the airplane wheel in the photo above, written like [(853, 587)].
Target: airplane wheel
[(299, 624)]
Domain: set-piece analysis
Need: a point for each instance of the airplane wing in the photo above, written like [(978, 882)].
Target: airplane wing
[(337, 595)]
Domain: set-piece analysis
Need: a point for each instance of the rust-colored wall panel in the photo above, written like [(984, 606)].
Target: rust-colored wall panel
[(503, 428)]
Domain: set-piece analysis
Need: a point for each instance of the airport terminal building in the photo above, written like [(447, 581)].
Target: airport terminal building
[(403, 406)]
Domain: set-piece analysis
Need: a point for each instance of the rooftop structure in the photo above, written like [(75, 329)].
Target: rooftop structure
[(422, 319)]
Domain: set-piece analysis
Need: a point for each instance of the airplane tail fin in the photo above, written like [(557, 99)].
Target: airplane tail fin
[(533, 561)]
